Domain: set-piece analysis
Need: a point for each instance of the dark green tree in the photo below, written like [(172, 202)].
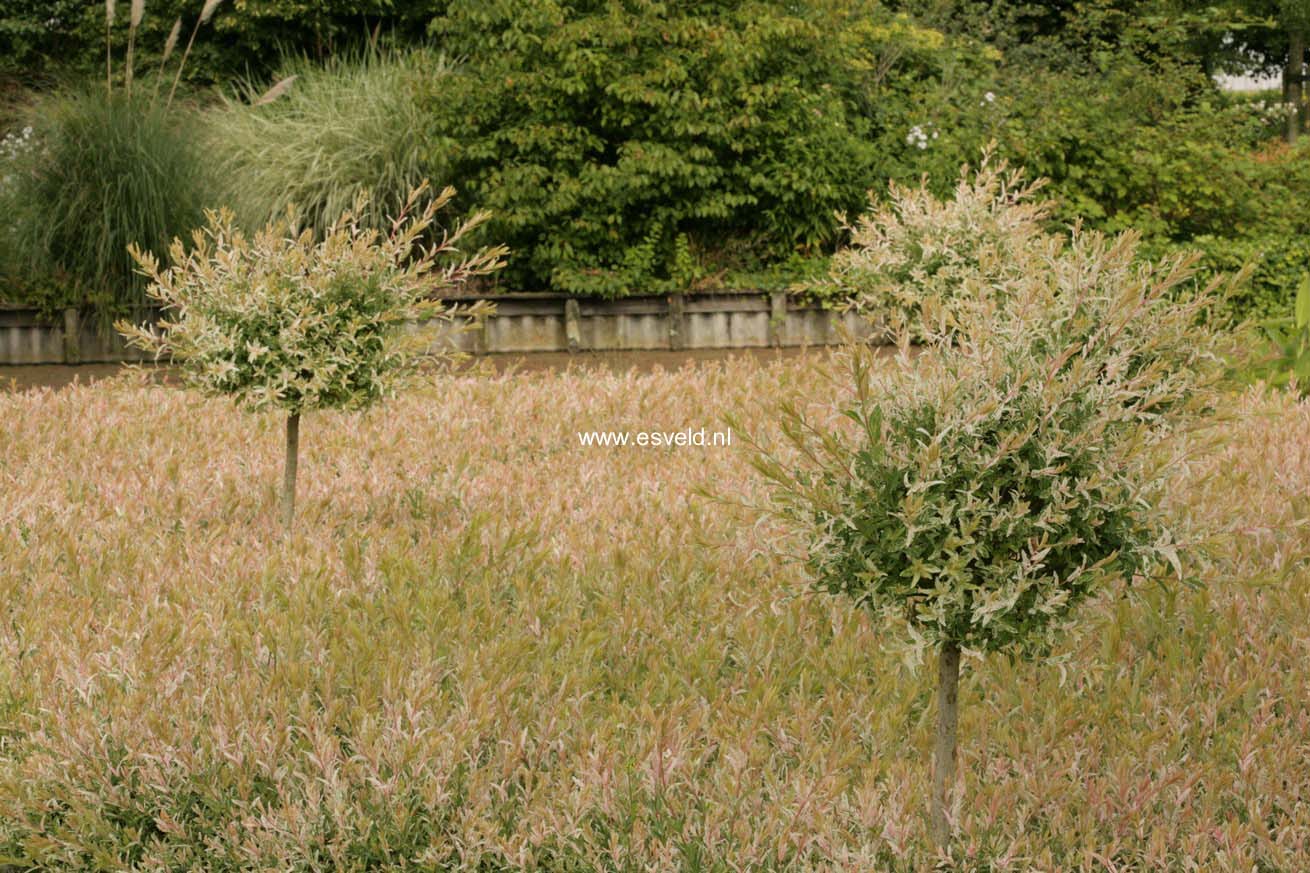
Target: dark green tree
[(610, 139), (43, 39)]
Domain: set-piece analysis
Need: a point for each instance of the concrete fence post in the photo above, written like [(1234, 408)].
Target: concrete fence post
[(777, 317), (482, 342), (677, 322), (72, 336), (572, 326)]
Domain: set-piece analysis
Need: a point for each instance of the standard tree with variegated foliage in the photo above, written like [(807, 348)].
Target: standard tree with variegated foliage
[(992, 479), (287, 320)]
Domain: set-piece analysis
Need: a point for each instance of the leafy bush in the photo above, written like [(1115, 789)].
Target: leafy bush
[(1272, 263), (914, 259), (610, 141), (1155, 148), (107, 170), (1288, 362), (280, 320), (341, 128), (1141, 146), (1124, 120), (1273, 240), (37, 32)]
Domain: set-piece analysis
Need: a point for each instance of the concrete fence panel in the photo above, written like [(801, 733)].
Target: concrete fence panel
[(521, 323)]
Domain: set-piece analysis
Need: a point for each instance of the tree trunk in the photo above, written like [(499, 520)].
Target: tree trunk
[(943, 759), (289, 475), (1293, 86)]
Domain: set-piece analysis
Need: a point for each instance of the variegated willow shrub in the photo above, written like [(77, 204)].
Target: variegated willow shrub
[(1011, 468), (288, 320), (913, 257)]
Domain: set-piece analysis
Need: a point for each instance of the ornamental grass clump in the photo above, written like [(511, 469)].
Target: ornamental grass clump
[(105, 170), (107, 166), (324, 133), (280, 320), (1009, 470)]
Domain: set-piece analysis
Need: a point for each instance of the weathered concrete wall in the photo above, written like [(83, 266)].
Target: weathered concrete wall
[(521, 323), (539, 323), (25, 338)]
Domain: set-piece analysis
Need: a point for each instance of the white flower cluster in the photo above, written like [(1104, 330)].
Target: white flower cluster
[(919, 136), (989, 97), (12, 147), (1271, 110), (15, 144)]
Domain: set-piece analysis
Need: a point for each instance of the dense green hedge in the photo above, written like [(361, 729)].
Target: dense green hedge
[(615, 143), (1159, 150)]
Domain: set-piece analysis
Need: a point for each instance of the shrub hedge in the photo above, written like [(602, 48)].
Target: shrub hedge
[(612, 142), (647, 146)]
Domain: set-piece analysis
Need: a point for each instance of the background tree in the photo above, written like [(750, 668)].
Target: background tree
[(1277, 41), (288, 321), (647, 147), (613, 140), (1000, 478)]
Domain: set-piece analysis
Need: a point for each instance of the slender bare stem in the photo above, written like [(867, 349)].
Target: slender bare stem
[(169, 45), (943, 764), (109, 60), (181, 65), (289, 473)]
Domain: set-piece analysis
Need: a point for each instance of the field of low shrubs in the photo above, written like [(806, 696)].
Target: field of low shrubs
[(485, 647)]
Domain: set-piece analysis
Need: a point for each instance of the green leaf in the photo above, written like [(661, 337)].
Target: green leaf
[(1303, 303)]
